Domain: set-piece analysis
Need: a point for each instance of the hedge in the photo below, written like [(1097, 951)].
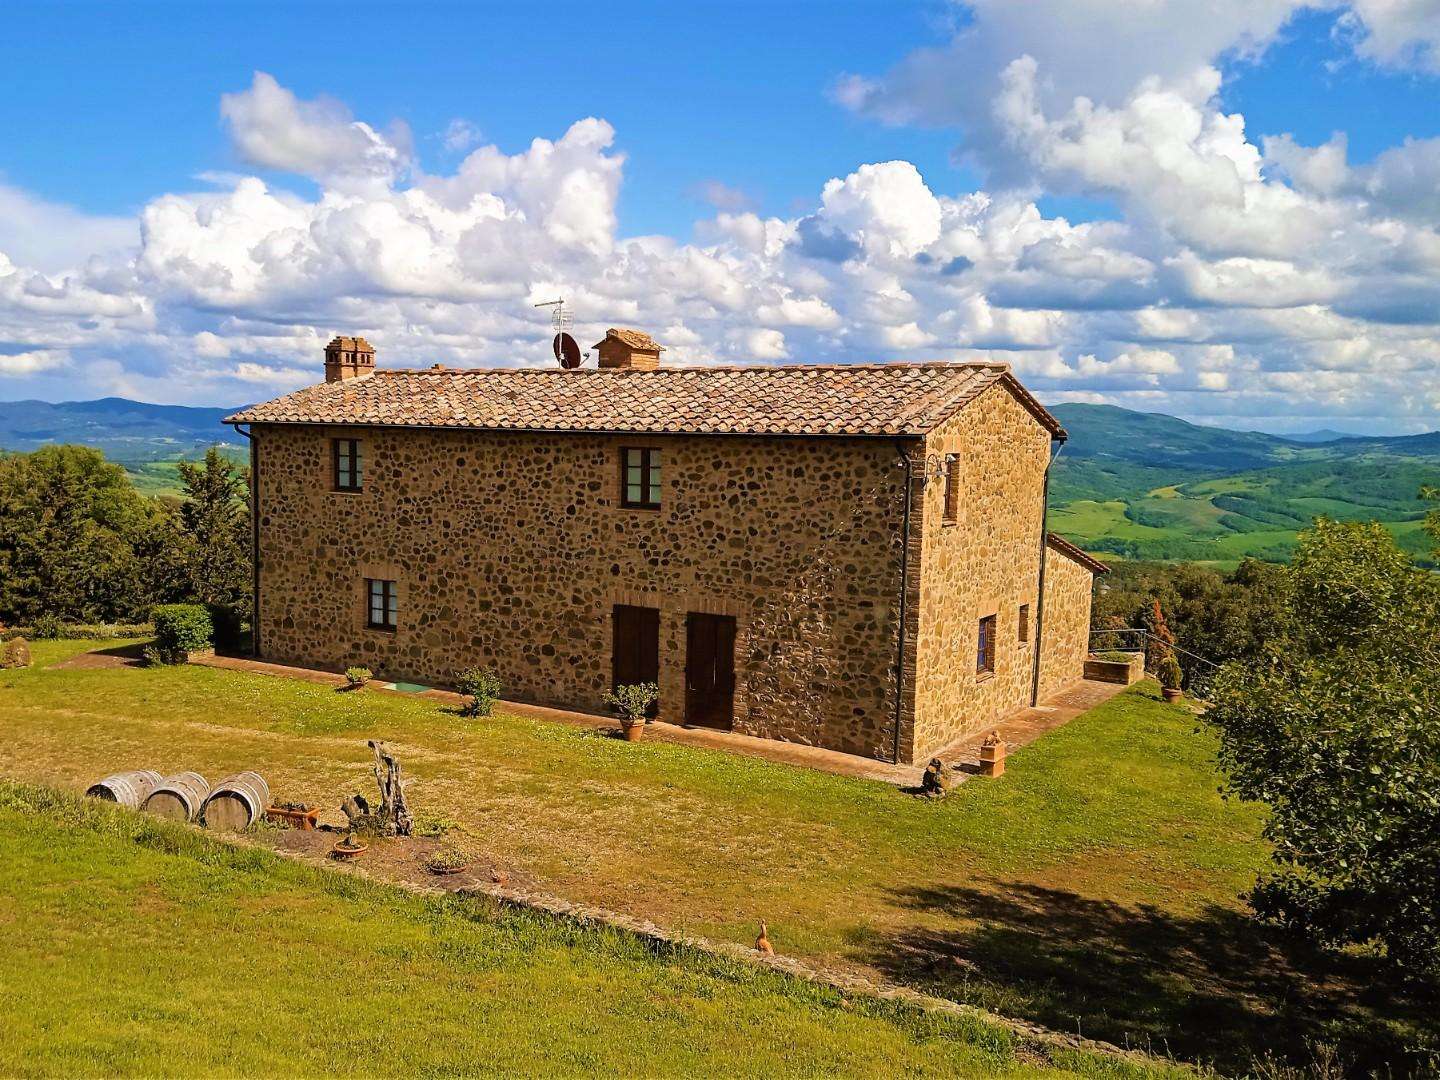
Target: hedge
[(84, 631)]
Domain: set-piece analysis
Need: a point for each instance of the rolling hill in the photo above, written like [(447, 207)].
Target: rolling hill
[(1129, 484), (1149, 486), (146, 439)]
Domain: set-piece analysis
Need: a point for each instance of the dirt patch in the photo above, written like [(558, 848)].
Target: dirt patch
[(396, 859), (131, 655)]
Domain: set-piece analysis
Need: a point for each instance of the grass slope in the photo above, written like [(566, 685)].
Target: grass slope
[(1095, 887), (184, 956)]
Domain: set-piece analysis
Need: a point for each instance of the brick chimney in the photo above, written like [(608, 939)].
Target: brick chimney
[(348, 358), (628, 349)]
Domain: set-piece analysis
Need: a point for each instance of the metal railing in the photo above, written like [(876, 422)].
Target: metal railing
[(1144, 637)]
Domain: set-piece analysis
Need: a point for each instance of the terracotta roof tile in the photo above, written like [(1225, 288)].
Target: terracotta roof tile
[(636, 339), (1069, 550), (800, 399)]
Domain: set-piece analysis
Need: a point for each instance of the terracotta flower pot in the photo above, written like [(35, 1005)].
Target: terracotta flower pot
[(1170, 695), (633, 731), (345, 854), (448, 871)]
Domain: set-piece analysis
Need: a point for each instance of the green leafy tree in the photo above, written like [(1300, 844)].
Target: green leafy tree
[(70, 525), (1335, 726), (215, 520)]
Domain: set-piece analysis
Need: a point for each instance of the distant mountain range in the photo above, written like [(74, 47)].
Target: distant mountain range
[(1130, 484), (127, 431)]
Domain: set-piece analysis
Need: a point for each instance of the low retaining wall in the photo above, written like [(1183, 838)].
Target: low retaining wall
[(1123, 672)]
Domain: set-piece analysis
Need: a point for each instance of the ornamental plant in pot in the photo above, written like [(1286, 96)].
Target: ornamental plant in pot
[(348, 848), (1170, 676), (446, 861), (633, 703)]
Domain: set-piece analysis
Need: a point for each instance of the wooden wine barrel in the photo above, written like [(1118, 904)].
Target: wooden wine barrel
[(126, 788), (236, 802), (178, 797)]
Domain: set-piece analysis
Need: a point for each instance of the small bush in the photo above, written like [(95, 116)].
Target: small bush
[(182, 628), (357, 677), (446, 860), (45, 628), (482, 687), (634, 702), (1169, 673)]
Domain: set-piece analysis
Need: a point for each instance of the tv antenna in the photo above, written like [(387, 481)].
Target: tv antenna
[(564, 346)]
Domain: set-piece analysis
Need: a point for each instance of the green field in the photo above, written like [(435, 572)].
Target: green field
[(1096, 888), (1144, 486), (149, 949)]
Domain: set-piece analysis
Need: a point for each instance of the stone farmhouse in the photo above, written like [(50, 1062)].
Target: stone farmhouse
[(847, 556)]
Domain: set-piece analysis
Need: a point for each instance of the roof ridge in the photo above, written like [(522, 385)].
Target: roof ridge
[(879, 365)]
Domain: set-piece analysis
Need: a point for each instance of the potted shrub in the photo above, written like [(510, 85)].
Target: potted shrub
[(633, 702), (447, 860), (482, 687), (1170, 676), (357, 677), (348, 848)]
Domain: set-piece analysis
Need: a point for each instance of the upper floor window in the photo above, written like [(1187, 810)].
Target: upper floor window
[(348, 466), (952, 489), (382, 604), (640, 477), (1024, 632), (985, 654)]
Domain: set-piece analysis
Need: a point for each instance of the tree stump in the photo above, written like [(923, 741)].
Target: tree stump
[(392, 817)]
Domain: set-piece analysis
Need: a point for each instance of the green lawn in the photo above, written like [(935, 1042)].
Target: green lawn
[(1095, 887), (141, 948)]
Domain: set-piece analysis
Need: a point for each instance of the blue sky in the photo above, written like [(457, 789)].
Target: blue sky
[(1261, 300)]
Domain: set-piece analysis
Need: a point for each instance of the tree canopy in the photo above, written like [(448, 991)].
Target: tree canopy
[(79, 543), (1335, 725)]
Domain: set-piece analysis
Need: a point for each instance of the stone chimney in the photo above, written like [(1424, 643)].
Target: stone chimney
[(348, 358), (628, 349)]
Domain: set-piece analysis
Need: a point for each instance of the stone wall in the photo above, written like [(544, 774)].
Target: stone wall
[(510, 549), (1068, 590), (985, 562)]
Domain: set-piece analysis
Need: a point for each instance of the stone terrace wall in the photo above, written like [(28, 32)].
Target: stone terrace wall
[(986, 563), (510, 549), (1068, 590)]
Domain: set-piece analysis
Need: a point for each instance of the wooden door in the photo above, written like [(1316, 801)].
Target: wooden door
[(635, 646), (710, 670)]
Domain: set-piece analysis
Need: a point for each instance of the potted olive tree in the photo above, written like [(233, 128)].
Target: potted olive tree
[(1170, 677), (633, 703)]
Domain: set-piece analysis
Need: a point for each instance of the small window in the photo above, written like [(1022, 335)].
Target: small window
[(985, 655), (1024, 631), (952, 488), (640, 478), (348, 469), (383, 604)]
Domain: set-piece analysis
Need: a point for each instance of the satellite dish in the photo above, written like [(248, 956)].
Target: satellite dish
[(566, 351)]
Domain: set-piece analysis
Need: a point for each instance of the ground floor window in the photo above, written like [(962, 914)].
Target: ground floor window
[(985, 655), (1024, 631), (384, 606)]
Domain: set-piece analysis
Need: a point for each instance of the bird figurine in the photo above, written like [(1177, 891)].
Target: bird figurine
[(762, 943)]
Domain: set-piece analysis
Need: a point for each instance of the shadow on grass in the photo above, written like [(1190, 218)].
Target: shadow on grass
[(1215, 987)]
